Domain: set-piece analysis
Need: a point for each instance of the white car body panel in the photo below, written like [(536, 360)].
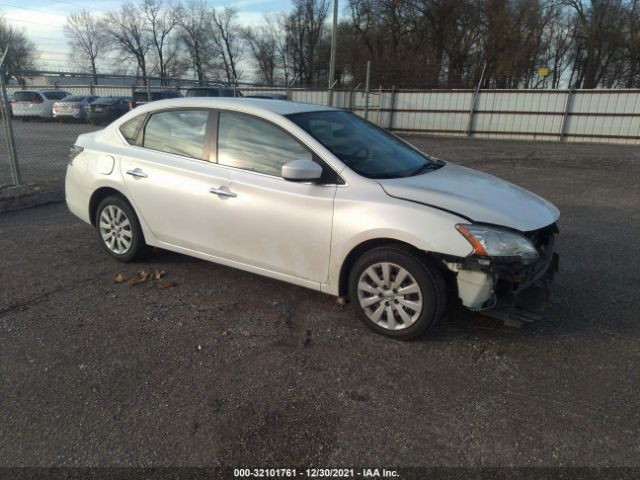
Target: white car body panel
[(478, 196), (297, 232)]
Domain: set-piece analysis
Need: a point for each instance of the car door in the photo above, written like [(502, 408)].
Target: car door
[(272, 223), (168, 178)]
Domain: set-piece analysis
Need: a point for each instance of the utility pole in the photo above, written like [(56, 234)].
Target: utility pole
[(334, 35)]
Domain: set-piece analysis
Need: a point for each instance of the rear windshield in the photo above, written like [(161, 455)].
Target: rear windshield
[(75, 99), (25, 96), (142, 96), (55, 95), (210, 92), (109, 100)]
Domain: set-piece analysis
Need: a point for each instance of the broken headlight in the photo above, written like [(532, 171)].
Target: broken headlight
[(495, 242)]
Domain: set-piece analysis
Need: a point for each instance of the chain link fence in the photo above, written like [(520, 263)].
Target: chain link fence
[(604, 116)]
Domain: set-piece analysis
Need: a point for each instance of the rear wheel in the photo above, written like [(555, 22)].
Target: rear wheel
[(119, 229), (396, 293)]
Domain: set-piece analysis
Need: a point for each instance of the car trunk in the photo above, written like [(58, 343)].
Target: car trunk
[(27, 103)]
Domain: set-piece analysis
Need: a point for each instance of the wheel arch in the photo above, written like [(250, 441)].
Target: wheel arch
[(367, 245), (99, 195)]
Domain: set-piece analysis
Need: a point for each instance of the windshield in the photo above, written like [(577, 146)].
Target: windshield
[(365, 148)]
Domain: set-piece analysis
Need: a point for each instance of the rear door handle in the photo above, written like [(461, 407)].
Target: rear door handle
[(136, 172), (223, 193)]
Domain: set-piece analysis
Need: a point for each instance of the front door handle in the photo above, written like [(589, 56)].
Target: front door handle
[(223, 193), (136, 172)]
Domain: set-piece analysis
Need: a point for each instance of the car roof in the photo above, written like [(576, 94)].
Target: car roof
[(215, 87), (41, 90), (246, 105)]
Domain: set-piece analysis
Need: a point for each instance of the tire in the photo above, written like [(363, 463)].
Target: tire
[(415, 304), (115, 216)]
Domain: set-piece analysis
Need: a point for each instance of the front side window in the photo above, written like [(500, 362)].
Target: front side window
[(254, 144), (363, 147), (181, 132)]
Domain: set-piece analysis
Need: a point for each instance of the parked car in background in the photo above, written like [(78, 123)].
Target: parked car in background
[(27, 104), (320, 198), (107, 109), (272, 96), (221, 91), (72, 108), (141, 97)]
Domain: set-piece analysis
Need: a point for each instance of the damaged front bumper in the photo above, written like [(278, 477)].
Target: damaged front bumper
[(507, 289)]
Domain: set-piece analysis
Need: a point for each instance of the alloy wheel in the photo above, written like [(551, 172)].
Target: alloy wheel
[(389, 296), (115, 229)]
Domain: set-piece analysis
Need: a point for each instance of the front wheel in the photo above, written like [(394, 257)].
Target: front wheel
[(119, 229), (396, 293)]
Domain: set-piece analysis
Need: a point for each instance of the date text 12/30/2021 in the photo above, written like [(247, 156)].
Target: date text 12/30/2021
[(314, 473)]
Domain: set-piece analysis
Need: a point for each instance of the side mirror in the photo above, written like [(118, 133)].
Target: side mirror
[(301, 171)]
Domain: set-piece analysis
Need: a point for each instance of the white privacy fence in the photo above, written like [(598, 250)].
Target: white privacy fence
[(606, 116)]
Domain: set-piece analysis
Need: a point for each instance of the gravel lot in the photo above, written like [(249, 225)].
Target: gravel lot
[(228, 368)]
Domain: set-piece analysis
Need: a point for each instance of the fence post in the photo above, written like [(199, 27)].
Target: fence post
[(366, 91), (8, 126), (568, 103), (92, 89), (133, 89), (380, 97), (474, 98), (148, 89), (392, 107)]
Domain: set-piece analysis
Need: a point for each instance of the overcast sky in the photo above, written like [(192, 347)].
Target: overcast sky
[(43, 21)]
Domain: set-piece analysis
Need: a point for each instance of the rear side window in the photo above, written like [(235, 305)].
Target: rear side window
[(131, 128), (181, 132), (75, 99), (25, 96), (254, 144)]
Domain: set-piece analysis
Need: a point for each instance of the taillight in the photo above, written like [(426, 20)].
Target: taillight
[(37, 100), (74, 152), (13, 100), (130, 105), (56, 105)]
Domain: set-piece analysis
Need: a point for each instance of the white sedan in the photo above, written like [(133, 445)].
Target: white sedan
[(320, 198), (27, 104)]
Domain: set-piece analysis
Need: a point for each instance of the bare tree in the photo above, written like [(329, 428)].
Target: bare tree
[(599, 39), (263, 48), (161, 18), (87, 40), (195, 35), (306, 31), (227, 37), (129, 35), (22, 51)]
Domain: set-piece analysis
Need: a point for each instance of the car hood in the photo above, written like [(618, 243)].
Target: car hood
[(477, 196)]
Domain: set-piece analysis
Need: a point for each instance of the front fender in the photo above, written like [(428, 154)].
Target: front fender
[(378, 216)]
